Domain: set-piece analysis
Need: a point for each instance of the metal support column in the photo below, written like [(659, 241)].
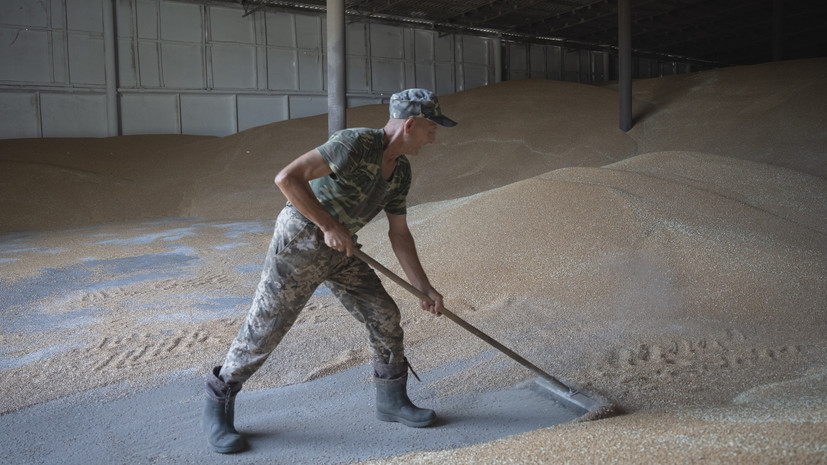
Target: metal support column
[(110, 64), (336, 70), (624, 40)]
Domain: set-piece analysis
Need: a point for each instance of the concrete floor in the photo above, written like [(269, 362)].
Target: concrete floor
[(328, 420), (114, 271)]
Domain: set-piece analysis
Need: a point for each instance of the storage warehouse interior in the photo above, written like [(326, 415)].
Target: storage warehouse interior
[(634, 199)]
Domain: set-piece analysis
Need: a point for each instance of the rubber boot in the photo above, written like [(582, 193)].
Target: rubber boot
[(219, 414), (392, 402)]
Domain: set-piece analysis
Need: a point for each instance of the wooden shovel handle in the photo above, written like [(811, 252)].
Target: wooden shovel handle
[(456, 319)]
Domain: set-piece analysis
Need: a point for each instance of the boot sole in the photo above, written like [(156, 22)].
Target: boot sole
[(229, 449), (396, 419)]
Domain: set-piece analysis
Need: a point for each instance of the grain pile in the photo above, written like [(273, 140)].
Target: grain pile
[(679, 269)]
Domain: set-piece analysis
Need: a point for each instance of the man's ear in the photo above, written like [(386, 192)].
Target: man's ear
[(409, 122)]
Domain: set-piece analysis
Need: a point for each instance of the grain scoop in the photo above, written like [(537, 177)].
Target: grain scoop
[(595, 407)]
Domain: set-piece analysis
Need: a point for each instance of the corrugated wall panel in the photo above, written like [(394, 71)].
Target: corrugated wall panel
[(258, 110), (203, 68), (26, 121), (208, 115), (150, 114), (68, 115)]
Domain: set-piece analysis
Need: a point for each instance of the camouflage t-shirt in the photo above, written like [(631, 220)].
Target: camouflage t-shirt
[(356, 191)]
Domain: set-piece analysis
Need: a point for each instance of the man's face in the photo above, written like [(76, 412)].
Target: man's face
[(421, 132)]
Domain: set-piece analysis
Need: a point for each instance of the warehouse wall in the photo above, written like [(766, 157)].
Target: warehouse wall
[(185, 67), (543, 61), (182, 67)]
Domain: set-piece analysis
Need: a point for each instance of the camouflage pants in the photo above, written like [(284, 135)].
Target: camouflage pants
[(297, 262)]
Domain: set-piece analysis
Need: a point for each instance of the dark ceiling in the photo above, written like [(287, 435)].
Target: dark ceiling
[(710, 32)]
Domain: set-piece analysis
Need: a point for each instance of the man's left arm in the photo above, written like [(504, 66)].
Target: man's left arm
[(405, 249)]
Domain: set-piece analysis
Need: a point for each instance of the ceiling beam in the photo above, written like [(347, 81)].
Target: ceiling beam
[(578, 15), (604, 11), (676, 20), (387, 5), (671, 29), (493, 10)]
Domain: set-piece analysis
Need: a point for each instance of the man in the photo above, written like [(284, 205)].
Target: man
[(333, 191)]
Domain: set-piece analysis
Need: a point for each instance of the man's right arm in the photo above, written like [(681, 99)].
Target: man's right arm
[(294, 182)]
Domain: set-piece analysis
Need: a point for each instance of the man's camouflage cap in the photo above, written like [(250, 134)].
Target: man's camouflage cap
[(418, 103)]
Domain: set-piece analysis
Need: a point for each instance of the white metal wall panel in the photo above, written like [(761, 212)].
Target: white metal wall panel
[(84, 15), (571, 65), (444, 69), (517, 62), (182, 66), (233, 66), (233, 52), (424, 61), (537, 62), (200, 67), (474, 76), (357, 74), (311, 70), (310, 54), (181, 22), (24, 42), (24, 119), (127, 63), (84, 19), (254, 110), (147, 19), (150, 114), (227, 25), (281, 30), (301, 106), (126, 54), (386, 42), (444, 74), (57, 14), (124, 18), (598, 66), (73, 115), (408, 38), (425, 76), (668, 68), (282, 70), (25, 56), (652, 66), (308, 32), (208, 115), (356, 39), (86, 59), (585, 66), (554, 58), (60, 60), (443, 48), (459, 68), (387, 75), (24, 13), (359, 101), (357, 65), (149, 61), (475, 50), (357, 56), (260, 32), (410, 76), (424, 46), (644, 66)]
